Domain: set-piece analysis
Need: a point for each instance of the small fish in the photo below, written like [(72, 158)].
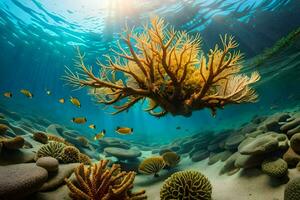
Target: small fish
[(61, 100), (124, 130), (7, 94), (48, 92), (27, 93), (100, 135), (75, 102), (92, 126), (178, 128), (79, 120)]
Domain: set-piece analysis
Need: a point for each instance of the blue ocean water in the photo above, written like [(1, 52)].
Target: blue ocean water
[(38, 39)]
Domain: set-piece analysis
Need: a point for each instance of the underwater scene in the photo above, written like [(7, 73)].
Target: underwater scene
[(150, 99)]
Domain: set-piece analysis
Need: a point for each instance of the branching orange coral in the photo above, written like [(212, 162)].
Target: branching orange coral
[(168, 69), (98, 182)]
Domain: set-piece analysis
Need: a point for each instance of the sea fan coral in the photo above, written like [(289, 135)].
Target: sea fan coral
[(168, 69), (186, 185), (152, 165), (69, 154), (98, 182), (171, 158), (53, 149)]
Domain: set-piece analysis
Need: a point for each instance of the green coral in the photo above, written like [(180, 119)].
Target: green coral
[(53, 149), (70, 154), (292, 190), (186, 185), (275, 167)]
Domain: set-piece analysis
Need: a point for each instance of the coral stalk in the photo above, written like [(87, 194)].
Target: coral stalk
[(169, 70)]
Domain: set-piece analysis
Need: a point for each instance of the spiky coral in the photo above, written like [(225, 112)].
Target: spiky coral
[(53, 149), (98, 182), (152, 165), (168, 68)]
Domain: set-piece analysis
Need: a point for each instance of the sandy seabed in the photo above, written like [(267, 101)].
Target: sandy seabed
[(249, 184)]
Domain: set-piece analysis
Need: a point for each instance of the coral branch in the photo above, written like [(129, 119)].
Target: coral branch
[(168, 67)]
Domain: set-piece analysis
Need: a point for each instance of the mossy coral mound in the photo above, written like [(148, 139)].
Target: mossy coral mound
[(171, 158), (275, 167), (40, 137), (3, 129), (70, 154), (186, 185), (292, 190), (100, 182), (152, 165), (13, 143), (53, 149)]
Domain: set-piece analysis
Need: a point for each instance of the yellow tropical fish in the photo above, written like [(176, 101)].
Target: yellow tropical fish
[(27, 93), (92, 126), (62, 100), (79, 120), (100, 135), (7, 94), (75, 101), (124, 130)]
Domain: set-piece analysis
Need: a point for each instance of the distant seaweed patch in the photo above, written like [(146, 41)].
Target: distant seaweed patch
[(276, 48)]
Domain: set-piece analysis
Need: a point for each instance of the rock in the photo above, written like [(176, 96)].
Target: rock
[(55, 129), (233, 141), (129, 166), (224, 155), (275, 167), (17, 130), (295, 142), (4, 121), (254, 134), (291, 157), (291, 127), (18, 181), (56, 179), (49, 163), (8, 157), (199, 155), (122, 154), (292, 190), (264, 143), (61, 193), (272, 123), (249, 161), (113, 142), (213, 147), (229, 166), (251, 127)]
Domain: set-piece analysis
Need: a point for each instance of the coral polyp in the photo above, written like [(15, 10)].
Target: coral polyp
[(169, 69)]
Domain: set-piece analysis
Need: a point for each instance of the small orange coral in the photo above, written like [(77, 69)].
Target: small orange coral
[(152, 165), (13, 143), (98, 182)]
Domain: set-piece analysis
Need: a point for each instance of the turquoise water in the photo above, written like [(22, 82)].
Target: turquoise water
[(38, 39)]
